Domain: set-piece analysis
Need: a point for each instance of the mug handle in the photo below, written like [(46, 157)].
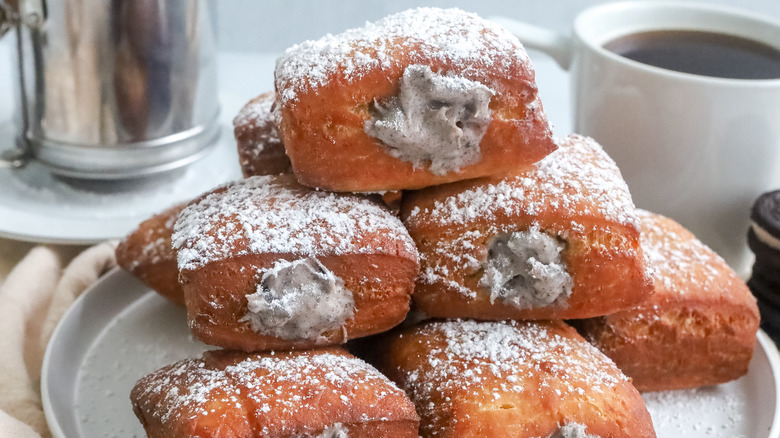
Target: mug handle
[(554, 44)]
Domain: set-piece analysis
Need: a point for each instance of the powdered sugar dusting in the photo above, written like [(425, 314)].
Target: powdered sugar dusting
[(184, 390), (274, 215), (157, 241), (578, 177), (462, 40), (258, 115), (676, 260), (714, 411), (254, 387), (495, 358), (153, 252)]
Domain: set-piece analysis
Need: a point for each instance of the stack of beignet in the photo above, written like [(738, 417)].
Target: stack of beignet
[(303, 255)]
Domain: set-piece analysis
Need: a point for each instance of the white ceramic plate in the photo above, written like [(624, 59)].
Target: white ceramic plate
[(119, 330)]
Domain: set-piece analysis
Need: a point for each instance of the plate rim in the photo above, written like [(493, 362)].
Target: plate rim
[(773, 356), (763, 340), (48, 408)]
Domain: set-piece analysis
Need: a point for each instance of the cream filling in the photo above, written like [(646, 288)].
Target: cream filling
[(299, 300), (571, 430), (525, 269), (436, 120), (336, 431)]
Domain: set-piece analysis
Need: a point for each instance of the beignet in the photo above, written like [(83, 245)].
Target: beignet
[(422, 97), (266, 263), (318, 393), (260, 150), (148, 255), (558, 241), (698, 328), (511, 379)]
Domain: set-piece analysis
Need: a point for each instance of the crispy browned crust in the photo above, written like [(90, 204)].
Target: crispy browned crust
[(698, 328), (323, 130), (602, 256), (197, 398), (148, 255), (481, 403), (260, 150)]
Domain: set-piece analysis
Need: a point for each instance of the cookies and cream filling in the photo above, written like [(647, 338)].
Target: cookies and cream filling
[(299, 299), (336, 431), (571, 430), (525, 269), (436, 121)]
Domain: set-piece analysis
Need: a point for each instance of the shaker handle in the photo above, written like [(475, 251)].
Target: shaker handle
[(10, 18), (556, 45)]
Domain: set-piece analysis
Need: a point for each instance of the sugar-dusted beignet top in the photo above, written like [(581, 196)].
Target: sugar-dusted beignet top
[(282, 395), (150, 243), (147, 254), (577, 182), (445, 37), (685, 270), (276, 215), (519, 379)]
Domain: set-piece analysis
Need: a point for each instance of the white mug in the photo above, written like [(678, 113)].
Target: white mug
[(696, 148)]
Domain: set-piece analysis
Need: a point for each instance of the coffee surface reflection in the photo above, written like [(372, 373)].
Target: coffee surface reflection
[(700, 53)]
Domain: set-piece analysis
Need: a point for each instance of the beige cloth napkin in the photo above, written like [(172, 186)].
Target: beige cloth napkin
[(33, 298)]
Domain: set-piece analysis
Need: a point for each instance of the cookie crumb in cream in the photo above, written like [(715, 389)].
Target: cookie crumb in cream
[(336, 431), (301, 299), (436, 120), (525, 269), (571, 430)]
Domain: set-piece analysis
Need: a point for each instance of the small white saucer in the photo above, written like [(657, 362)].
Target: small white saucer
[(36, 206)]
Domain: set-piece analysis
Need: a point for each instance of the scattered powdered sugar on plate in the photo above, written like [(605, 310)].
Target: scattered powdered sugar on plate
[(424, 35), (266, 214), (702, 412)]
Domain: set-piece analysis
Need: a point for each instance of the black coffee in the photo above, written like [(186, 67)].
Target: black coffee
[(701, 53)]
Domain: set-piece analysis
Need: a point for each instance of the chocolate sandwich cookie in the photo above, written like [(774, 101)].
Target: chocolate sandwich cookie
[(766, 218), (764, 241)]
